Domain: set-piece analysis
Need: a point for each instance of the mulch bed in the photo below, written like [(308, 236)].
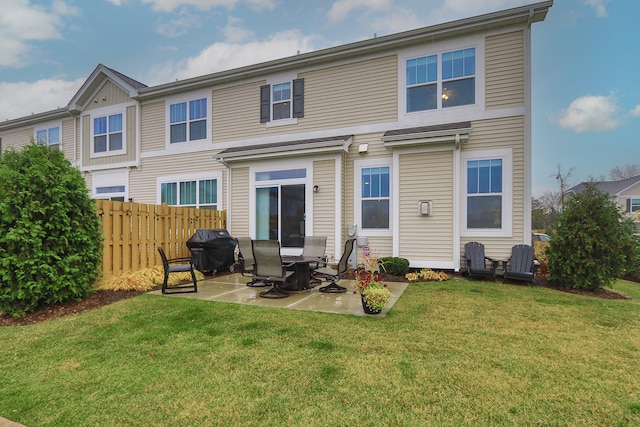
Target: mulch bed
[(101, 298)]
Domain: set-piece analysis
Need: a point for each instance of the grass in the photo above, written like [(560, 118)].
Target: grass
[(454, 353)]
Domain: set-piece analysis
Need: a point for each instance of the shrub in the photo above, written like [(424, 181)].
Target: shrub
[(145, 280), (395, 266), (590, 248), (50, 234), (427, 275), (540, 253)]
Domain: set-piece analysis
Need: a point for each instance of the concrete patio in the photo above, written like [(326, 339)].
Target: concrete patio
[(233, 288)]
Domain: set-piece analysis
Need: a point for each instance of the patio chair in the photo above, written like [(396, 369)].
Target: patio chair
[(177, 265), (477, 263), (335, 275), (521, 265), (245, 260), (269, 269), (314, 248)]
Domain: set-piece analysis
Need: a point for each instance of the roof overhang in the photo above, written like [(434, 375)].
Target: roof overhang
[(286, 149), (39, 118), (450, 133), (523, 15)]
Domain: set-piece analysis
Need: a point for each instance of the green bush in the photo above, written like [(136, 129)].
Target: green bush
[(50, 234), (395, 266), (591, 247)]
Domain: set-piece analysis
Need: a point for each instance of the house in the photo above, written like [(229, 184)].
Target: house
[(624, 193), (418, 141)]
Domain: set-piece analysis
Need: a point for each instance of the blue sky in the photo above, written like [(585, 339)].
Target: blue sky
[(586, 95)]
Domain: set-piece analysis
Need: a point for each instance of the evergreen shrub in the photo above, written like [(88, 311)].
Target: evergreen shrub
[(50, 234)]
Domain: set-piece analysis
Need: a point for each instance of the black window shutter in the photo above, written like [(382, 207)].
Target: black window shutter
[(298, 98), (265, 103), (628, 205)]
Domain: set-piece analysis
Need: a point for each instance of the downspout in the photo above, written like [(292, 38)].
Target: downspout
[(456, 203), (228, 198)]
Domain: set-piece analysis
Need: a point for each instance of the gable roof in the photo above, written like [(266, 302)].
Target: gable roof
[(612, 188), (95, 81)]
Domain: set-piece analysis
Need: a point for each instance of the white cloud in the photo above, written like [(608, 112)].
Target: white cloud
[(636, 111), (23, 98), (397, 21), (591, 114), (227, 55), (341, 8), (467, 7), (599, 6), (170, 5), (22, 23), (234, 32), (182, 22)]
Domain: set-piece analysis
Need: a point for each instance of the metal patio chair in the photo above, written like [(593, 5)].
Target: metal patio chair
[(314, 248), (177, 265), (333, 274), (246, 261), (269, 269)]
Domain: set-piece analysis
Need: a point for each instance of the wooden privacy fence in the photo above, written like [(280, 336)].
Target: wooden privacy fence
[(133, 231)]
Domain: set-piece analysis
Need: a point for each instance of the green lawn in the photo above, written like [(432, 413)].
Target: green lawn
[(448, 354)]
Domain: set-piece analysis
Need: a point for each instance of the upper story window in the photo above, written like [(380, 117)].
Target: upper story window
[(188, 120), (282, 101), (455, 84), (108, 133), (49, 136), (634, 205)]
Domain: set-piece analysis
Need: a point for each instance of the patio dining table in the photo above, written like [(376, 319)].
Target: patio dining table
[(298, 281)]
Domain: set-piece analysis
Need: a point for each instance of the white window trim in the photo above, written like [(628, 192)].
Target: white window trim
[(46, 126), (274, 80), (191, 96), (110, 179), (106, 112), (506, 154), (190, 177), (282, 165), (358, 165), (449, 113)]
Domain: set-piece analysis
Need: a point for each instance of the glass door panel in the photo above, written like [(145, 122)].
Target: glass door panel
[(293, 211), (267, 210), (280, 214)]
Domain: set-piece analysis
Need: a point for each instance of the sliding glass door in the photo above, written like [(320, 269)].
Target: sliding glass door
[(280, 207)]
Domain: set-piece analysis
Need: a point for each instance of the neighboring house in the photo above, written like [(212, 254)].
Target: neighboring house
[(624, 193), (419, 141)]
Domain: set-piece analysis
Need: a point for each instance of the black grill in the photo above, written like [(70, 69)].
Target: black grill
[(212, 250)]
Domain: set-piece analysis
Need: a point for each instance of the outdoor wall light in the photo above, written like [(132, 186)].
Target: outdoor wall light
[(316, 188)]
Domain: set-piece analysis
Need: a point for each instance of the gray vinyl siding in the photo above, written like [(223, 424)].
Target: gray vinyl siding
[(503, 133), (153, 127), (324, 172), (426, 176), (87, 140), (239, 215), (340, 96), (109, 94), (505, 70)]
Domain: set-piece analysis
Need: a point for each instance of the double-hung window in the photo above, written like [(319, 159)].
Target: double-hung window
[(108, 133), (441, 81), (50, 136), (198, 193), (282, 102), (375, 198), (487, 192), (634, 205), (484, 194), (188, 121)]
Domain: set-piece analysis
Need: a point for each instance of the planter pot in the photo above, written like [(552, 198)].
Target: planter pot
[(366, 308)]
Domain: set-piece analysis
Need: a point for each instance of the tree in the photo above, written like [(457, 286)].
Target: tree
[(593, 242), (544, 210), (50, 234), (620, 173), (563, 178)]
